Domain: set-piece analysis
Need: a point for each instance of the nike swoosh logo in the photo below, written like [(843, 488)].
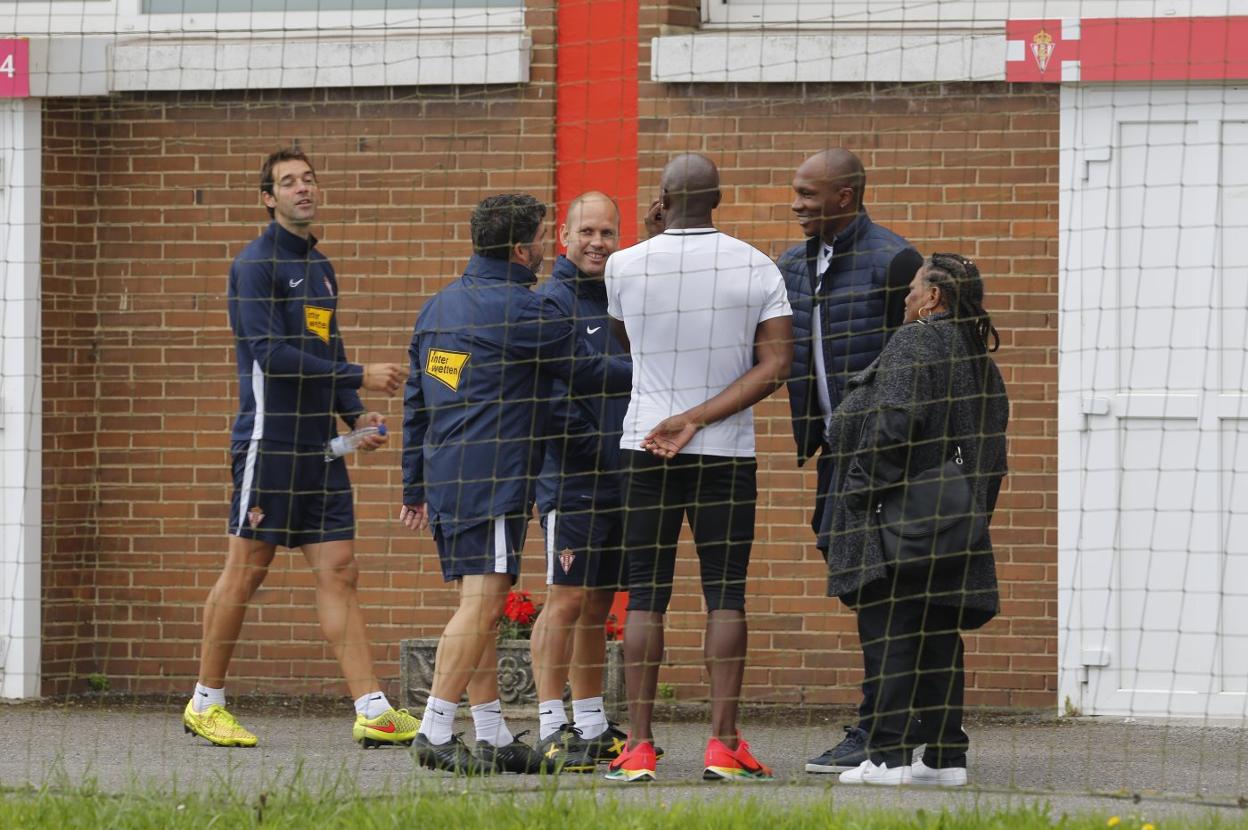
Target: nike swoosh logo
[(295, 283), (591, 331), (435, 711), (389, 727), (203, 694)]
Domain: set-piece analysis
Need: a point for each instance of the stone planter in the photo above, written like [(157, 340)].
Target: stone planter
[(515, 675)]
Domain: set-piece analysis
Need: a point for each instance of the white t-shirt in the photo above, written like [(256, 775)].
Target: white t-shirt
[(691, 301)]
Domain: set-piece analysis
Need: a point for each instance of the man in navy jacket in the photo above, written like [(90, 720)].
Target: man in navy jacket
[(847, 286), (294, 381), (578, 498), (484, 352)]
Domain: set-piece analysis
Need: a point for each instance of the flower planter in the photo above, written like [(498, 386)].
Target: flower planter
[(515, 675)]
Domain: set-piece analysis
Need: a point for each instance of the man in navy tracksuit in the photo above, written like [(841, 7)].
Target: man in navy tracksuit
[(847, 286), (484, 351), (295, 381), (578, 499)]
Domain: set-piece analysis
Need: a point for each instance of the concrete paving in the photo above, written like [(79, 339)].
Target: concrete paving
[(1074, 766)]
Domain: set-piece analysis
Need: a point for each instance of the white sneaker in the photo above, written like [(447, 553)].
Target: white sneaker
[(881, 776), (923, 775)]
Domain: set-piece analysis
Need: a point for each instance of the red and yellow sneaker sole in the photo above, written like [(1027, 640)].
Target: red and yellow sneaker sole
[(631, 775), (735, 774)]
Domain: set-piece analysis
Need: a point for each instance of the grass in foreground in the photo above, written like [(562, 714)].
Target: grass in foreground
[(69, 810)]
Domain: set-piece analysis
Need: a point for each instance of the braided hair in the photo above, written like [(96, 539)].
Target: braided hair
[(962, 290)]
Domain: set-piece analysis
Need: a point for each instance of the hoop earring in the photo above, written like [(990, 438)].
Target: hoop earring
[(923, 319)]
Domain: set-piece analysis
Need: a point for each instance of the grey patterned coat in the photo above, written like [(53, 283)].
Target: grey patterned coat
[(902, 415)]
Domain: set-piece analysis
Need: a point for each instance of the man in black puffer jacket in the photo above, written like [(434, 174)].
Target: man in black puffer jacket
[(847, 285)]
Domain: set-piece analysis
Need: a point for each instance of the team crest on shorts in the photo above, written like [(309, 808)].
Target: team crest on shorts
[(566, 558), (254, 517)]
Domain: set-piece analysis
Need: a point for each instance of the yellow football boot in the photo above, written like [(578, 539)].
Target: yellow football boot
[(216, 725), (393, 726)]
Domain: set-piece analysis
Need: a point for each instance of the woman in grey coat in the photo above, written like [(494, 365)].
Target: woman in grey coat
[(933, 392)]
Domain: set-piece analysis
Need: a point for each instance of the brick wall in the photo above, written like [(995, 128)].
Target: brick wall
[(148, 197)]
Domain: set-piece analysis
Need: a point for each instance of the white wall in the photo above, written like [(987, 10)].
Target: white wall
[(21, 398)]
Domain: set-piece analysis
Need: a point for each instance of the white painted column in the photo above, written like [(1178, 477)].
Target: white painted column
[(21, 397)]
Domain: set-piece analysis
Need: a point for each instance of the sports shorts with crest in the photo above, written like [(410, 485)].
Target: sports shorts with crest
[(585, 548)]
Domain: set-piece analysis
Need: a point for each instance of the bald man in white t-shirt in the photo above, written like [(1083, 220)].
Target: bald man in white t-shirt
[(709, 328)]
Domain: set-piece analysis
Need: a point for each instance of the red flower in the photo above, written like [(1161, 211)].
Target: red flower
[(615, 630), (519, 608)]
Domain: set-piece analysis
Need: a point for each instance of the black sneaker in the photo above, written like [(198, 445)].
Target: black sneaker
[(606, 747), (516, 757), (451, 756), (847, 755), (565, 751)]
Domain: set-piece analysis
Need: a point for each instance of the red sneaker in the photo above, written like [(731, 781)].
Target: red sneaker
[(724, 764), (635, 763)]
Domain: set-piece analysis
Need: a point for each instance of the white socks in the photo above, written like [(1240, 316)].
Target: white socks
[(371, 705), (487, 718), (589, 716), (205, 696), (438, 720), (551, 716)]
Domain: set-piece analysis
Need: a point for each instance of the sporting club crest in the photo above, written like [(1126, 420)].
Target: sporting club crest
[(1042, 48), (566, 558)]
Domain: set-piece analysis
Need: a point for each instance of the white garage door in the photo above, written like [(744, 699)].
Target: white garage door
[(1153, 457)]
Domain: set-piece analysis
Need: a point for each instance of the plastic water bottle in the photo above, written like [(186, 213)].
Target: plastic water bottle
[(343, 444)]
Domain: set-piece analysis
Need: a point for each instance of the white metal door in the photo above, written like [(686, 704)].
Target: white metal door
[(1153, 445)]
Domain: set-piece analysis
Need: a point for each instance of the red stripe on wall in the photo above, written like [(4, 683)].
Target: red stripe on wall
[(1149, 49), (1133, 49), (596, 105)]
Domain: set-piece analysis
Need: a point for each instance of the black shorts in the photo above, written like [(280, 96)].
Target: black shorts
[(492, 547), (584, 548), (718, 494), (289, 495)]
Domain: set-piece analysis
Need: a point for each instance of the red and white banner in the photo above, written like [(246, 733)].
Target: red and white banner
[(1127, 49)]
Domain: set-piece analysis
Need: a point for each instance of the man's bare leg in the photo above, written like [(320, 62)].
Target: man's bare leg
[(338, 608), (726, 637), (643, 654), (589, 651), (483, 687), (469, 633), (554, 637), (246, 565)]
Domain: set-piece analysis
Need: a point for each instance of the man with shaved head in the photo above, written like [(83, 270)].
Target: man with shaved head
[(847, 285), (708, 324), (578, 496)]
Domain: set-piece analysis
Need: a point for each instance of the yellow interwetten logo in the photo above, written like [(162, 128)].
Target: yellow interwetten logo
[(446, 366), (318, 320)]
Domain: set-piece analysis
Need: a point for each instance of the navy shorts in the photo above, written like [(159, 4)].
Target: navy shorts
[(492, 547), (585, 548), (289, 495), (718, 495)]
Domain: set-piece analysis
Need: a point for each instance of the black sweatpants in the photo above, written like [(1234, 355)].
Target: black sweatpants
[(913, 653)]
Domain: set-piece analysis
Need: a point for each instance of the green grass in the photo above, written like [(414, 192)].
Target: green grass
[(85, 808)]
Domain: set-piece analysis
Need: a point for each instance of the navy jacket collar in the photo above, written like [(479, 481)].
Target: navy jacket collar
[(844, 240), (289, 242), (850, 233), (498, 269), (583, 284)]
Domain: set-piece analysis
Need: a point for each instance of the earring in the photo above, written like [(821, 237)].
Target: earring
[(928, 309)]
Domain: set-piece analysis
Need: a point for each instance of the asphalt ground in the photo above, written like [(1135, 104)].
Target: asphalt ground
[(1076, 765)]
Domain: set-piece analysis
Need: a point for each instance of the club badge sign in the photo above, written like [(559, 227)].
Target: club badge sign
[(14, 68)]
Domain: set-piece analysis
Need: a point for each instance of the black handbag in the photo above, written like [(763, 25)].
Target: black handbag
[(928, 524)]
